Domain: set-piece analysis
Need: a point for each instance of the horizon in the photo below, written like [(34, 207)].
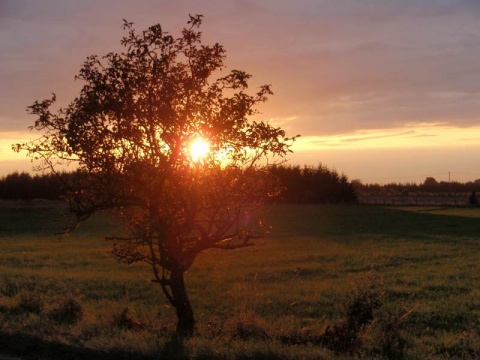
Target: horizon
[(440, 178)]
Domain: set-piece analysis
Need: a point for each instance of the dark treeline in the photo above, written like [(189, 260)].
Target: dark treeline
[(314, 185), (302, 185), (27, 187), (429, 186)]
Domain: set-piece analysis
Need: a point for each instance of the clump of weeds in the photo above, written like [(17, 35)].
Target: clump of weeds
[(365, 296), (30, 302), (68, 310), (127, 320)]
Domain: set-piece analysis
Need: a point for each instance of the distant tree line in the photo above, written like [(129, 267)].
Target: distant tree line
[(26, 187), (429, 186), (314, 185), (302, 185)]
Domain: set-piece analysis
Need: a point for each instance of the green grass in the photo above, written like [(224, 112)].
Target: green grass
[(269, 301)]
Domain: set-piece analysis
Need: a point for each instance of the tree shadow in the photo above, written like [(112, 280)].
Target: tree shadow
[(389, 222)]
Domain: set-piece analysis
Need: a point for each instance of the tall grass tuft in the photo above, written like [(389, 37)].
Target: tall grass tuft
[(364, 298), (388, 333), (30, 302), (127, 320), (68, 310)]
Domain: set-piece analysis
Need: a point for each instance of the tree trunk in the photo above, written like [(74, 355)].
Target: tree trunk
[(181, 302)]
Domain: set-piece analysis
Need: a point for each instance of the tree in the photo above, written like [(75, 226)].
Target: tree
[(129, 133), (314, 185), (430, 182), (473, 199)]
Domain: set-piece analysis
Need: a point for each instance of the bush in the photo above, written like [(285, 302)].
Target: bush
[(387, 338), (249, 330), (30, 302), (68, 310), (127, 320), (365, 297)]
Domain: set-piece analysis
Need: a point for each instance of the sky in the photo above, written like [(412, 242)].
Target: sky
[(382, 91)]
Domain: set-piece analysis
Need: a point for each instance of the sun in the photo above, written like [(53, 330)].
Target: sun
[(199, 148)]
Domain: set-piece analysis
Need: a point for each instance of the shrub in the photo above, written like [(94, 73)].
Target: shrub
[(10, 289), (127, 320), (68, 310), (364, 298), (30, 302), (249, 330), (387, 335)]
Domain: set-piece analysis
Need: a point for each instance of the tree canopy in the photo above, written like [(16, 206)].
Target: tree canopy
[(129, 134)]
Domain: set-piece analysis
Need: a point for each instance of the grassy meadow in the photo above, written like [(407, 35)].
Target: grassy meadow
[(416, 268)]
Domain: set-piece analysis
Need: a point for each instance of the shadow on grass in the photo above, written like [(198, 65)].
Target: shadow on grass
[(31, 347), (347, 222)]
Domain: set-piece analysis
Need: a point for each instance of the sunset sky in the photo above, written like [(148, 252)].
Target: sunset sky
[(383, 91)]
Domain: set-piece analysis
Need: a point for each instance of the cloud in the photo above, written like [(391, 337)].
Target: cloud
[(380, 136), (335, 66), (412, 136)]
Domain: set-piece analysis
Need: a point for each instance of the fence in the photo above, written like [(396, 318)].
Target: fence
[(437, 200)]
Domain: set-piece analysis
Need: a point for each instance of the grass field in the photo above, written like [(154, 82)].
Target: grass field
[(416, 267)]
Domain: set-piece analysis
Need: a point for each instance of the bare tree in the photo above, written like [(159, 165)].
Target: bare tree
[(129, 133)]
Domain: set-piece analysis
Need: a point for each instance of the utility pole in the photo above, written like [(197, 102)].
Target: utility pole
[(449, 183)]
